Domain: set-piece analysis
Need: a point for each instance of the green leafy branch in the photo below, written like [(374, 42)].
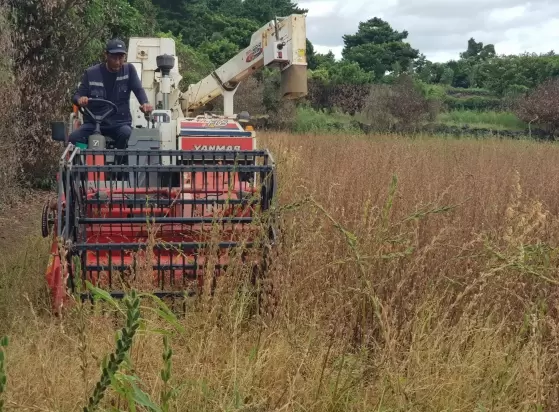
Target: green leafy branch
[(112, 363)]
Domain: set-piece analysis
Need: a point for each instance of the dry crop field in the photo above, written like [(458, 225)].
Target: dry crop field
[(413, 275)]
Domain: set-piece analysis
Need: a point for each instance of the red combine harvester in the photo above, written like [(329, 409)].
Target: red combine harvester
[(190, 190)]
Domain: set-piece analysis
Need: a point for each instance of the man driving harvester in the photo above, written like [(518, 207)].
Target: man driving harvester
[(113, 80)]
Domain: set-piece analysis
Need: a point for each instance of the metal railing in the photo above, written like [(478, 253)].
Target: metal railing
[(167, 209)]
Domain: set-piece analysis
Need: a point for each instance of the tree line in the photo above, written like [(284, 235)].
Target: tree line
[(209, 32), (377, 53)]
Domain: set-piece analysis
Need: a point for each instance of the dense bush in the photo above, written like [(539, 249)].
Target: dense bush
[(349, 98), (472, 103), (471, 91), (322, 121), (354, 98), (9, 161), (402, 106), (541, 106)]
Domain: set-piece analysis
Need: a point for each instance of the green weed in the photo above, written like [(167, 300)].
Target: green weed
[(482, 119)]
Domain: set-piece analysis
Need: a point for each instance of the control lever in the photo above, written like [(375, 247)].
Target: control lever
[(149, 118)]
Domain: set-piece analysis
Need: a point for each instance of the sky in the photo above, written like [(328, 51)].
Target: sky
[(440, 29)]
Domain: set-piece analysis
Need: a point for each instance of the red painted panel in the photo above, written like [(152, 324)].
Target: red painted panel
[(217, 143)]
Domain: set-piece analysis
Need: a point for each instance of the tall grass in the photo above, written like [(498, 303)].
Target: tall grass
[(488, 119), (410, 276)]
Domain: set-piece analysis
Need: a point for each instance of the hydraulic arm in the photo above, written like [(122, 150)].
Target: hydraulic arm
[(281, 43)]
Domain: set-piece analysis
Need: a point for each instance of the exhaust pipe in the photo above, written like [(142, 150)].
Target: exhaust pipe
[(165, 63)]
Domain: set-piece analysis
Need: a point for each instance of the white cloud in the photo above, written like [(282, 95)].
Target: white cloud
[(320, 8), (508, 14), (337, 50), (441, 28)]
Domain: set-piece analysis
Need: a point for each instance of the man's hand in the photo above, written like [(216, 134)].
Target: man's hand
[(82, 101), (146, 108)]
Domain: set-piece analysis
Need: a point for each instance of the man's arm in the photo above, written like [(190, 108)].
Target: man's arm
[(136, 86), (83, 89)]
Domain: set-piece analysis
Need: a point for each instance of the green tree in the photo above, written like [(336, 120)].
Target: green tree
[(219, 51), (316, 60), (377, 47), (343, 72), (194, 65), (325, 60), (312, 63), (429, 72), (220, 27), (147, 13), (447, 77), (236, 30), (349, 72), (462, 70), (192, 19), (420, 63), (477, 51), (263, 11), (506, 72)]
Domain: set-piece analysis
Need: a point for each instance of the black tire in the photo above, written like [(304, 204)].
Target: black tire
[(46, 222)]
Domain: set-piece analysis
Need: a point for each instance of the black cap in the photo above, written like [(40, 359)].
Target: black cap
[(115, 46)]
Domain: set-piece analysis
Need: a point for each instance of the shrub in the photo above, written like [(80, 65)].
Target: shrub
[(541, 106), (472, 103), (490, 119), (313, 121), (470, 91), (348, 98), (401, 106), (376, 112)]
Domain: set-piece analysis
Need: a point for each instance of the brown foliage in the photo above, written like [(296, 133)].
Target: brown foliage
[(9, 165), (248, 97), (541, 106), (349, 98), (48, 62), (397, 107), (260, 98), (375, 109), (409, 106)]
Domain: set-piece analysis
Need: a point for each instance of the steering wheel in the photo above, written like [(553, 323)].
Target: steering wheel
[(99, 119)]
